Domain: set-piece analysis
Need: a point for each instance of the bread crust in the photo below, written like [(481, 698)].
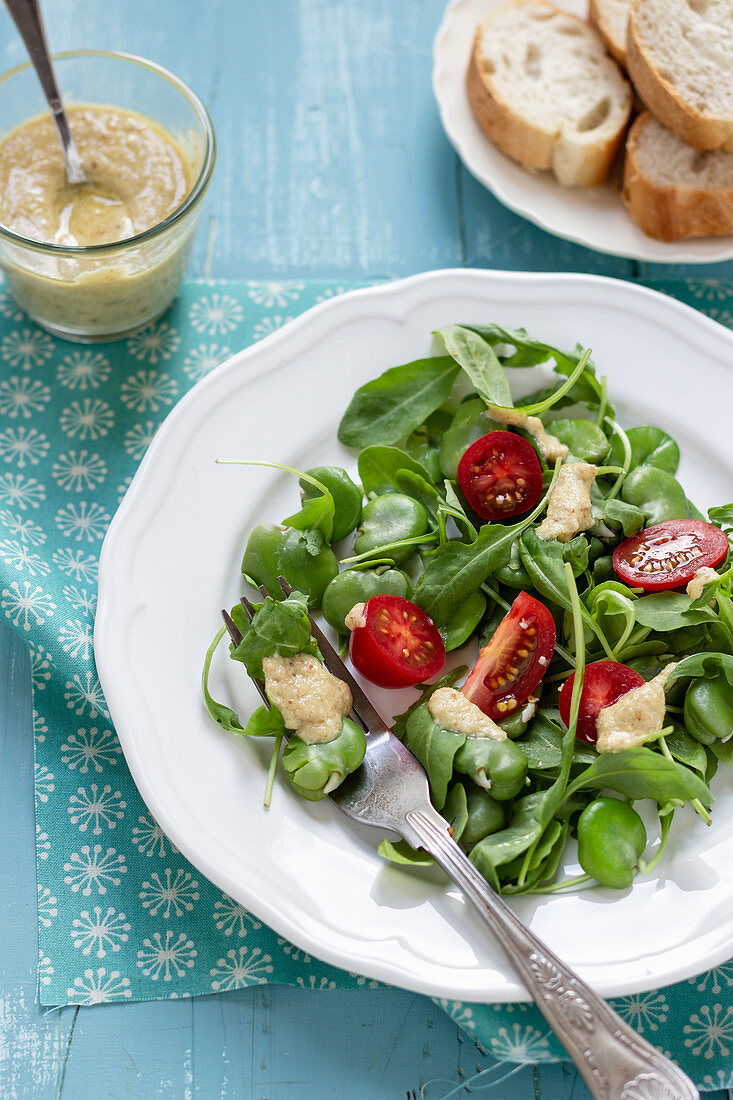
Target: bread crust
[(574, 164), (616, 49), (701, 131), (672, 213)]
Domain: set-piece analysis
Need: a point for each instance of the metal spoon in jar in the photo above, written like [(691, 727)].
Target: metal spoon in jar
[(27, 18)]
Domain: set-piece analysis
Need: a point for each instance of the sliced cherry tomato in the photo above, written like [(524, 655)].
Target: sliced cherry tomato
[(500, 475), (511, 666), (604, 682), (398, 645), (669, 554)]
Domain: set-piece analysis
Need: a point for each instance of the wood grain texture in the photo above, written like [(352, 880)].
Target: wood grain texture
[(332, 163)]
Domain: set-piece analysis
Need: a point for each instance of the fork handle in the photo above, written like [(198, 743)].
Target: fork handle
[(615, 1062)]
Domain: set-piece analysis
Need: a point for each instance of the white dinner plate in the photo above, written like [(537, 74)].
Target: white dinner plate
[(592, 216), (171, 560)]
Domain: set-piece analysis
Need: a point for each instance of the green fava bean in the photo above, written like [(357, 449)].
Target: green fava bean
[(603, 570), (464, 622), (316, 770), (469, 424), (649, 447), (357, 586), (583, 438), (708, 710), (611, 838), (498, 766), (485, 816), (424, 447), (389, 519), (302, 557), (346, 497), (514, 726), (659, 495)]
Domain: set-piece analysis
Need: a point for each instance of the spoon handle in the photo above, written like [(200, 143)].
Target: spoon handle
[(26, 15)]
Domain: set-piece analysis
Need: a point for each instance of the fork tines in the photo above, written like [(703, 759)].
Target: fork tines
[(236, 635), (363, 709)]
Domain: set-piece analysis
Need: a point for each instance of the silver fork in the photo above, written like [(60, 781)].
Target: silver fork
[(390, 791)]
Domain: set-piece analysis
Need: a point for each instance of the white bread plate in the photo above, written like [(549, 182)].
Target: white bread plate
[(593, 216)]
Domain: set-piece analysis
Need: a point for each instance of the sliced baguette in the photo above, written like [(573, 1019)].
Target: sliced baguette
[(611, 18), (543, 89), (680, 56), (673, 191)]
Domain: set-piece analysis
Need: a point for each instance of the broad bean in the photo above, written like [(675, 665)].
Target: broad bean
[(302, 557)]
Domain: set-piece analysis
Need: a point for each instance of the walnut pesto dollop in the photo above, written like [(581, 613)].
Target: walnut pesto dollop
[(703, 576), (312, 701), (454, 712), (569, 508), (636, 717), (548, 445)]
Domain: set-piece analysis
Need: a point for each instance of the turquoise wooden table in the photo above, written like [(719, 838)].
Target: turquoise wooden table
[(332, 163)]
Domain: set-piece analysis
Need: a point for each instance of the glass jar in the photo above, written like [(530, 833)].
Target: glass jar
[(93, 293)]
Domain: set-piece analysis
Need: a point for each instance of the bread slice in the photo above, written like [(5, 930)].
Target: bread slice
[(611, 18), (673, 191), (544, 90), (680, 58)]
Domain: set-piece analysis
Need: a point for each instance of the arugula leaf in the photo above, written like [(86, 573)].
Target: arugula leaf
[(720, 586), (618, 513), (457, 569), (480, 362), (403, 855), (529, 352), (265, 722), (704, 664), (455, 810), (392, 406), (544, 563), (399, 721), (435, 748), (641, 773), (531, 817), (223, 715), (665, 611), (380, 466), (417, 487), (543, 741), (279, 626), (686, 749), (316, 513), (723, 517)]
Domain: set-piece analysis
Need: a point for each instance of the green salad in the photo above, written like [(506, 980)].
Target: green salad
[(599, 595)]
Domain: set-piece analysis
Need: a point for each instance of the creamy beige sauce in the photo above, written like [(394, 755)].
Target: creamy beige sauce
[(356, 617), (568, 507), (548, 445), (452, 711), (636, 717), (703, 576), (138, 175), (312, 702)]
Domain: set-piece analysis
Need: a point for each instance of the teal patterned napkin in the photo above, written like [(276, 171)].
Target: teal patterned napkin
[(121, 914)]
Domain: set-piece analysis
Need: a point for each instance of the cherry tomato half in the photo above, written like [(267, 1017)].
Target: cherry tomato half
[(511, 666), (398, 646), (604, 682), (500, 475), (669, 554)]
